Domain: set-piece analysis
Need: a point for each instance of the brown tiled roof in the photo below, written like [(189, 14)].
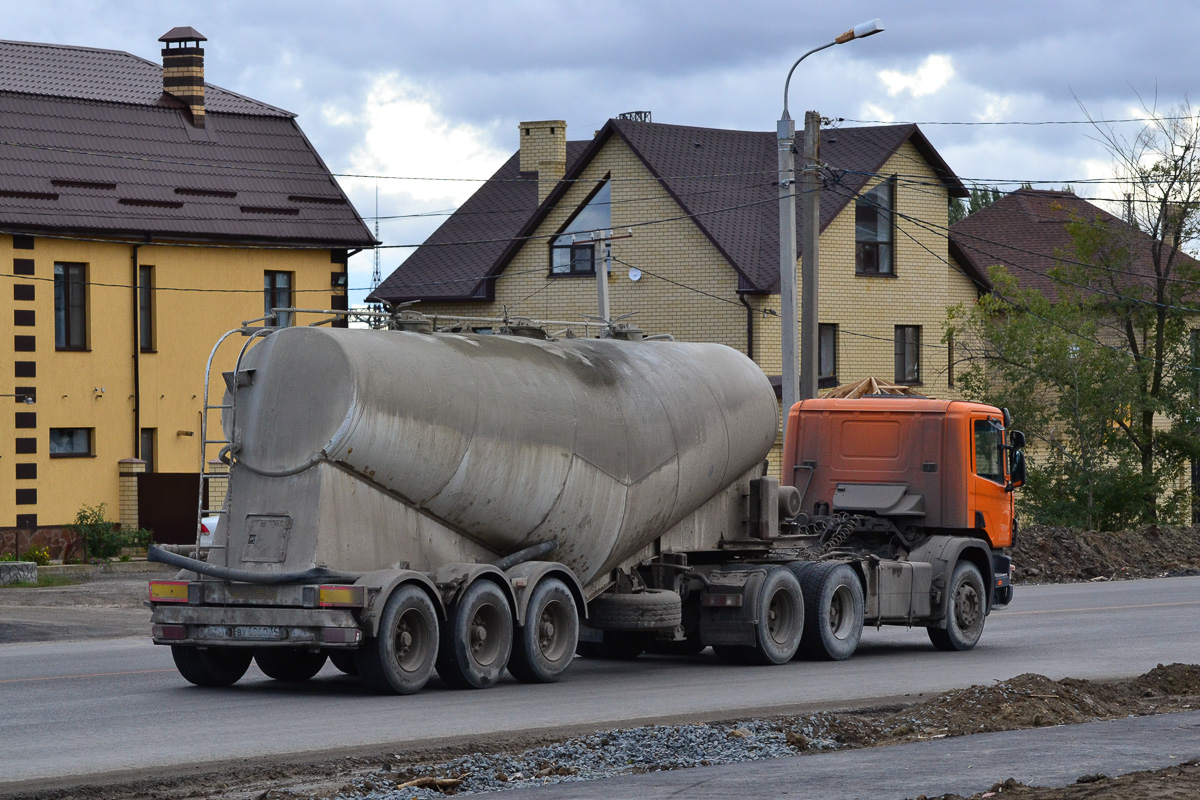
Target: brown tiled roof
[(89, 144), (725, 179), (1026, 232)]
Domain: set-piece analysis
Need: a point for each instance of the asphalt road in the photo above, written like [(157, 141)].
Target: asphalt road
[(118, 706)]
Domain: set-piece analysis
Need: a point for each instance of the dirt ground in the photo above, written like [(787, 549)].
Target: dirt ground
[(1046, 554)]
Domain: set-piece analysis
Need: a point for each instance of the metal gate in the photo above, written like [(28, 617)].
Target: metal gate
[(167, 505)]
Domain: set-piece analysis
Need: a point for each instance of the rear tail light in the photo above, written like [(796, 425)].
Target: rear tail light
[(168, 631), (341, 635), (204, 528), (343, 596), (168, 591)]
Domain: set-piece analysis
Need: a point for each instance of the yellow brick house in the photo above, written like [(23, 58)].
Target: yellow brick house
[(143, 213), (695, 250)]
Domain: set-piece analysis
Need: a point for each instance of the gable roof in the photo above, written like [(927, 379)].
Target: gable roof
[(725, 180), (89, 143), (1026, 232)]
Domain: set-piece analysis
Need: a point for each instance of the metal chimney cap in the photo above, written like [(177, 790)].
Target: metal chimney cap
[(183, 34)]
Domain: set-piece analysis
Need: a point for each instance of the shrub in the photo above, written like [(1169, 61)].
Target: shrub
[(101, 538), (38, 555)]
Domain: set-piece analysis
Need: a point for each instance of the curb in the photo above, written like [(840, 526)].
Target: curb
[(134, 567)]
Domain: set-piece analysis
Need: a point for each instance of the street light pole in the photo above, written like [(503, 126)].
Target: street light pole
[(786, 142)]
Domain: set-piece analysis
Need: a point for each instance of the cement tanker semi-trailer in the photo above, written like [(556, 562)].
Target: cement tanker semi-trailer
[(401, 502)]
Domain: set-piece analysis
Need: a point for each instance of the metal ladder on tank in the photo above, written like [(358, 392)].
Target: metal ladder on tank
[(232, 382)]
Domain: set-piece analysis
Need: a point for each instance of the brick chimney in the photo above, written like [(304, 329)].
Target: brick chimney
[(183, 69), (544, 151)]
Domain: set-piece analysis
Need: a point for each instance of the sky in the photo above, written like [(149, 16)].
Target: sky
[(409, 94)]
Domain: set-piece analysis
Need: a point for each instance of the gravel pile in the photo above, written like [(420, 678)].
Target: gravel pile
[(1026, 701), (598, 755)]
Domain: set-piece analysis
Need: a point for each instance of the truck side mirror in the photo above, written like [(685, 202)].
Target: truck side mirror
[(1016, 475), (1016, 440)]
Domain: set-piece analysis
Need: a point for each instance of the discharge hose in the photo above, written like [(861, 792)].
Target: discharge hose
[(156, 553)]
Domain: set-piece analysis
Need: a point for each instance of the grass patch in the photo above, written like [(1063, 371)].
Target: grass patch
[(43, 580)]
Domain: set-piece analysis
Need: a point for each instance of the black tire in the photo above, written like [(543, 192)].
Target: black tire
[(966, 610), (780, 614), (649, 609), (288, 663), (345, 661), (478, 638), (616, 646), (833, 610), (212, 666), (545, 644), (400, 659)]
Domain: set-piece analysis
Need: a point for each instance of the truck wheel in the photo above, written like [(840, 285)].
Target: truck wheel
[(213, 666), (833, 611), (344, 661), (545, 644), (288, 663), (780, 614), (400, 659), (966, 610), (650, 609), (478, 638)]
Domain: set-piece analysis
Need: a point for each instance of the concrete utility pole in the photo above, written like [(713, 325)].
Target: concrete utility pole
[(786, 141), (810, 231)]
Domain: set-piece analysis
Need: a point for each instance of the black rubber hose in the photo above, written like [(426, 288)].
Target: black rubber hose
[(156, 553), (528, 554)]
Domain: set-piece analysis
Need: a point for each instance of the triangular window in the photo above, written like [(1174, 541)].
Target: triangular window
[(574, 250)]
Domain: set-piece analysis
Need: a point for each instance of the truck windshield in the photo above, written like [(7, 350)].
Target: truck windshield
[(987, 450)]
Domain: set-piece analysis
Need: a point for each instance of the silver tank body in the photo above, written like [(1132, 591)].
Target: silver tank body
[(381, 447)]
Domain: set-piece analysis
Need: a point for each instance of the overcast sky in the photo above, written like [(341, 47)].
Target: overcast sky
[(436, 89)]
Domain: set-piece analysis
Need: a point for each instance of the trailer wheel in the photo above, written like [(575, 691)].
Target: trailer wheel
[(288, 663), (966, 611), (545, 644), (478, 638), (213, 666), (344, 661), (401, 658), (833, 610)]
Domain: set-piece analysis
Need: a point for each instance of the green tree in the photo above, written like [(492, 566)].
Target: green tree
[(981, 196), (1105, 376)]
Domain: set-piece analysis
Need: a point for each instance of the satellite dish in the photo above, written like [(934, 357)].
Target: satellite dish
[(635, 274)]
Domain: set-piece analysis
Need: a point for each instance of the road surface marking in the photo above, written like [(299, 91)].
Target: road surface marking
[(90, 675), (1102, 608)]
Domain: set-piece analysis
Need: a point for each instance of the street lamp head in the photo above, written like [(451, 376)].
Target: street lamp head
[(861, 31)]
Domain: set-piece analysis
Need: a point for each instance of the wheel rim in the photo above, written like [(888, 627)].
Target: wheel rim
[(841, 612), (968, 610), (412, 641), (483, 635), (781, 617), (552, 625)]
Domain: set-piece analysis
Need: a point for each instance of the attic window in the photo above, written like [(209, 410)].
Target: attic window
[(203, 192), (74, 184), (137, 201), (874, 230), (329, 201), (28, 195), (573, 251), (290, 212)]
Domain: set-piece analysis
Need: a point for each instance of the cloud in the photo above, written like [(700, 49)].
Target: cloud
[(934, 73), (406, 135)]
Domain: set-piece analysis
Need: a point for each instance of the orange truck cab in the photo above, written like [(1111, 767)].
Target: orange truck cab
[(920, 466)]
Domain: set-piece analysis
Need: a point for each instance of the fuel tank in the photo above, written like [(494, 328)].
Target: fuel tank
[(356, 449)]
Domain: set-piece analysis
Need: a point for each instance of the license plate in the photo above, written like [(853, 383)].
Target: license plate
[(258, 632)]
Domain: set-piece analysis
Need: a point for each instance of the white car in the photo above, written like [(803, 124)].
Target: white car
[(208, 526)]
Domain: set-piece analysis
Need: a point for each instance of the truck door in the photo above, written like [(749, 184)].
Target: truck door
[(990, 503)]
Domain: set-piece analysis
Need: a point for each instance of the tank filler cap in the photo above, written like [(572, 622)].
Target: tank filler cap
[(412, 321), (627, 332)]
